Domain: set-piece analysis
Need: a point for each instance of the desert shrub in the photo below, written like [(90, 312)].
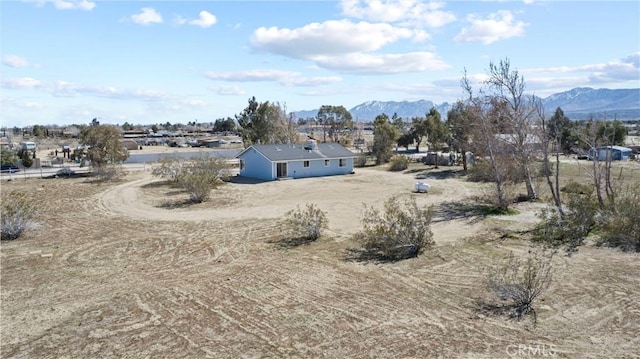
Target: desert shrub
[(169, 168), (520, 281), (304, 225), (571, 230), (578, 188), (398, 163), (361, 160), (620, 222), (108, 172), (402, 230), (8, 157), (17, 215), (202, 174), (480, 172)]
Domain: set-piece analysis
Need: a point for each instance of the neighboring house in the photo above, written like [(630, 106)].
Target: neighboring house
[(614, 153), (270, 162), (510, 141)]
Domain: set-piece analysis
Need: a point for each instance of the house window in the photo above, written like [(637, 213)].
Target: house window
[(326, 163), (306, 164), (343, 162), (241, 165)]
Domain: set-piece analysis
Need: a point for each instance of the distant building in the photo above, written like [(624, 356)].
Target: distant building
[(270, 162), (614, 153)]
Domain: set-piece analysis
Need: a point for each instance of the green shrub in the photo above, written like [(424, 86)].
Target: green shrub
[(571, 230), (620, 223), (17, 215), (402, 231), (398, 163)]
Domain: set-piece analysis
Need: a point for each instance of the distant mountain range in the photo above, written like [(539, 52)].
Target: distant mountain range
[(578, 104)]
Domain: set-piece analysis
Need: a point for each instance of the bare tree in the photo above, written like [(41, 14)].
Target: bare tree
[(484, 139), (551, 136), (508, 86)]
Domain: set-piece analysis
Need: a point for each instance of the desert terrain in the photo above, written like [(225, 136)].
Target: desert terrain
[(126, 270)]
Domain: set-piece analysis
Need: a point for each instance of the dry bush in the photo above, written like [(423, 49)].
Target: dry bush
[(108, 172), (402, 231), (17, 215), (361, 160), (304, 225), (202, 174), (398, 163), (520, 281), (169, 168)]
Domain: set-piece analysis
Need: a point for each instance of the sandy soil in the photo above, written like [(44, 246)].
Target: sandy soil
[(127, 270)]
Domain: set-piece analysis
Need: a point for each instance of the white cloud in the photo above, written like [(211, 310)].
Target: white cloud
[(205, 20), (327, 38), (250, 75), (496, 27), (284, 78), (15, 61), (383, 63), (147, 16), (66, 4), (21, 83), (228, 90), (414, 12)]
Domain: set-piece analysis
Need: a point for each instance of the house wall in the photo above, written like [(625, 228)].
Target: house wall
[(317, 168), (257, 166)]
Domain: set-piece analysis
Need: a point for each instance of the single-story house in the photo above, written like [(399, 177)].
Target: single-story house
[(312, 159), (615, 153)]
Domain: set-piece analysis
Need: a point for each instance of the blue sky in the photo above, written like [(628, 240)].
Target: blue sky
[(144, 62)]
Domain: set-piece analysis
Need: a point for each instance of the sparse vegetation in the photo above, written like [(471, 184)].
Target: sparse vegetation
[(399, 163), (7, 156), (17, 215), (304, 225), (361, 160), (520, 281), (198, 176), (402, 230), (168, 168)]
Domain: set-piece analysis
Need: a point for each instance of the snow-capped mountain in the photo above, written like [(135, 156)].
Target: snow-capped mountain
[(578, 104)]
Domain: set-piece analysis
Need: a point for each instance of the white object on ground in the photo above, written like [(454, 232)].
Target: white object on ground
[(422, 187)]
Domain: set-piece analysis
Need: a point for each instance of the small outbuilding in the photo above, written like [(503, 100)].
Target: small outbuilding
[(312, 159), (613, 153)]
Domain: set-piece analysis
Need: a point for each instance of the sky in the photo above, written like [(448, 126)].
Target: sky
[(144, 62)]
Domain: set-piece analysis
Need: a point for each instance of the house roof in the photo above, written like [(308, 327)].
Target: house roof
[(288, 152), (618, 148)]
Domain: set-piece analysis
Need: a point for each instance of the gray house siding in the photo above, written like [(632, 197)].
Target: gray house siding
[(269, 161), (260, 167), (318, 168)]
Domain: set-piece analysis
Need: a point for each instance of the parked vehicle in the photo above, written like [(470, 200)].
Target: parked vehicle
[(9, 169)]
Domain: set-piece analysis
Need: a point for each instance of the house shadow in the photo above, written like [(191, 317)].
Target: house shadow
[(439, 174), (245, 180), (471, 209)]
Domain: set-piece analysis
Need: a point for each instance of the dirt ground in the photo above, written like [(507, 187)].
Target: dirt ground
[(127, 270)]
